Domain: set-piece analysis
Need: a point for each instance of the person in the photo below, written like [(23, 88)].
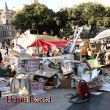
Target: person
[(107, 58), (6, 50), (1, 57), (84, 50), (58, 51)]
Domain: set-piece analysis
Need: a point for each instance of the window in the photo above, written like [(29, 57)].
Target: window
[(6, 21)]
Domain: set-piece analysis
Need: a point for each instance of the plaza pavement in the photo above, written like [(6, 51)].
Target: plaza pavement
[(59, 101)]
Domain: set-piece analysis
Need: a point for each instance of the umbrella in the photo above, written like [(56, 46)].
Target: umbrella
[(103, 35)]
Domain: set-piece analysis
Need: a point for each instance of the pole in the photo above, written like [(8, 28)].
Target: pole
[(36, 43), (77, 36)]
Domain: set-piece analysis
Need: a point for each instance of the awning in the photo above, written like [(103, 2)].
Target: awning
[(103, 35)]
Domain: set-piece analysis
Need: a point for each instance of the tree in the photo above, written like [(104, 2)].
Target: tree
[(35, 16), (62, 22), (106, 18), (91, 14), (38, 16)]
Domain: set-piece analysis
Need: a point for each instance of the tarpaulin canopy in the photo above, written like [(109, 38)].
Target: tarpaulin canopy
[(41, 43), (103, 35), (48, 43), (58, 43)]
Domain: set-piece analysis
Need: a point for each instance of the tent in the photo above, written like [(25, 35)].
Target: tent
[(58, 43), (26, 39), (48, 43), (103, 35)]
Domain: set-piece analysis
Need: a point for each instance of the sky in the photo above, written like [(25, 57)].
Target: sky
[(52, 4)]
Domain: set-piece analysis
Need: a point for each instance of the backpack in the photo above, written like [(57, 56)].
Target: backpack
[(82, 89)]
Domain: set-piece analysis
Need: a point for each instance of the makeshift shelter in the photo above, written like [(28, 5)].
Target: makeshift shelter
[(26, 39), (45, 44), (21, 43), (41, 43), (103, 35), (58, 43)]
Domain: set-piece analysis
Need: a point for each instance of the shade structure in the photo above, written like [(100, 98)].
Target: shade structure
[(103, 35), (42, 43), (49, 43), (58, 43), (36, 43)]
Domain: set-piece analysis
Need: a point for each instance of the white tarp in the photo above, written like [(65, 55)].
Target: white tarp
[(23, 42), (103, 35)]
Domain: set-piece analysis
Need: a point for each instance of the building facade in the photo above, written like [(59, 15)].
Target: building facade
[(7, 30)]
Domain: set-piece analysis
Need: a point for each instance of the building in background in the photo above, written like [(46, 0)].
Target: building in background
[(34, 1), (7, 30)]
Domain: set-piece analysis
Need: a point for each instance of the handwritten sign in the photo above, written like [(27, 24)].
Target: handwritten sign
[(28, 65)]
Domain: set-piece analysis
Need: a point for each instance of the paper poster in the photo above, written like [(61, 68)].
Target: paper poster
[(28, 65)]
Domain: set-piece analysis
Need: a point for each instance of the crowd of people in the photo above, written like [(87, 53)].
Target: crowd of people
[(5, 44), (51, 52)]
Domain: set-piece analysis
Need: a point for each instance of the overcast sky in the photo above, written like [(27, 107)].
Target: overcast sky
[(52, 4)]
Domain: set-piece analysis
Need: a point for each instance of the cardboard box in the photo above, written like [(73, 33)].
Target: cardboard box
[(65, 83)]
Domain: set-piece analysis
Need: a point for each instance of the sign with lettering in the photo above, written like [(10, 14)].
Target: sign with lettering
[(28, 65)]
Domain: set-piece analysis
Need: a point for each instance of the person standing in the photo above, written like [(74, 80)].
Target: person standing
[(1, 57), (7, 51)]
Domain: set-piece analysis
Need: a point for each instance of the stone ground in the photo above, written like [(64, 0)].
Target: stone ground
[(59, 101), (4, 105)]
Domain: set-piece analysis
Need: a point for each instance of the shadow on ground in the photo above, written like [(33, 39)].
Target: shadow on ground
[(101, 102)]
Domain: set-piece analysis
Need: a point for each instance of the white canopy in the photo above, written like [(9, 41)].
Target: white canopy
[(103, 35)]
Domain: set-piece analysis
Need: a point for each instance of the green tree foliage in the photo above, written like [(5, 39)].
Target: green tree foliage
[(35, 16), (88, 13), (38, 16), (62, 21), (106, 18)]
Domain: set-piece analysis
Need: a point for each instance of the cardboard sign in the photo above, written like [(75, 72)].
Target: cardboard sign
[(28, 65), (37, 86)]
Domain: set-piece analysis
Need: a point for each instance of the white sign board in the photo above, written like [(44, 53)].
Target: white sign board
[(28, 65)]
